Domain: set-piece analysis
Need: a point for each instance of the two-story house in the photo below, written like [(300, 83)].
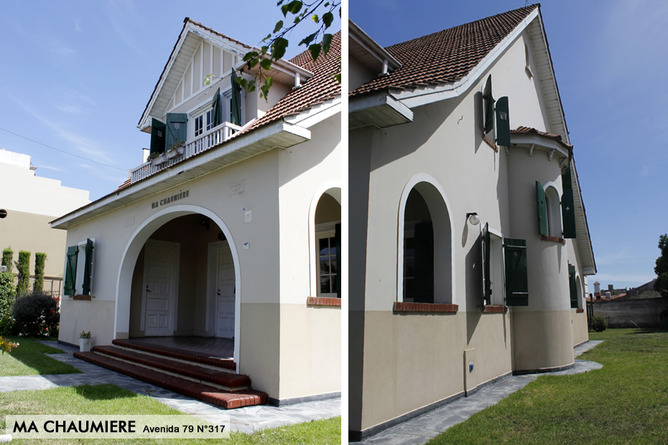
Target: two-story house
[(228, 230), (469, 244)]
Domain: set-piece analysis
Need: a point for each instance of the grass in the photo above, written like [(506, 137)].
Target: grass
[(624, 402), (111, 399), (29, 359)]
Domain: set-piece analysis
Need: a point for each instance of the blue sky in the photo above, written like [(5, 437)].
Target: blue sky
[(611, 64), (77, 74)]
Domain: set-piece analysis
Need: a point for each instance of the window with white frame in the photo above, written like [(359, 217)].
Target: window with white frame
[(328, 247), (203, 122), (493, 267)]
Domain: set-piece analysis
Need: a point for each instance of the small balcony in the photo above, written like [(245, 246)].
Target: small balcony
[(203, 142)]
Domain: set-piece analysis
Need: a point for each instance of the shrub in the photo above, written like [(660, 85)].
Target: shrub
[(6, 345), (40, 259), (23, 266), (6, 325), (7, 258), (599, 323), (36, 315)]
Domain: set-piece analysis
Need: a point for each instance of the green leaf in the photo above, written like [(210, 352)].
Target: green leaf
[(278, 26), (315, 18), (326, 42), (278, 48), (296, 6), (249, 55), (327, 19), (308, 39), (315, 50), (265, 64)]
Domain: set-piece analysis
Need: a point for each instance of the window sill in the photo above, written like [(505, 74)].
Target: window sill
[(490, 142), (579, 311), (82, 298), (323, 301), (553, 239), (495, 309), (430, 308)]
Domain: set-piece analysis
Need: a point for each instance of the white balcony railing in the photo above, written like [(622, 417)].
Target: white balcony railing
[(205, 141)]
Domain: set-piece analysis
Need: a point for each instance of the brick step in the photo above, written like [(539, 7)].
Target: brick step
[(181, 354), (200, 391), (228, 380)]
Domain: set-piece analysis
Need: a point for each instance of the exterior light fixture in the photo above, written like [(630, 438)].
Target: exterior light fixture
[(473, 218)]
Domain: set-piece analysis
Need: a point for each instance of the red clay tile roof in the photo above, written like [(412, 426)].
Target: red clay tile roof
[(527, 130), (320, 88), (445, 56)]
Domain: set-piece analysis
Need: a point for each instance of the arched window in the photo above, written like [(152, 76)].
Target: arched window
[(553, 212), (426, 275), (328, 246)]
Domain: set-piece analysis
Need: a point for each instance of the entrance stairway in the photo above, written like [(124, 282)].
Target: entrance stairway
[(193, 374)]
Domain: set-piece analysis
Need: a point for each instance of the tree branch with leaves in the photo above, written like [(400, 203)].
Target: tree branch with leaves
[(275, 44)]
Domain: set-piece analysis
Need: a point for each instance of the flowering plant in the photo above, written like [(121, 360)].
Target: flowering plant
[(6, 345)]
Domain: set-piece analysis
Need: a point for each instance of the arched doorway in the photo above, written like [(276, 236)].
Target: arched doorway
[(180, 277)]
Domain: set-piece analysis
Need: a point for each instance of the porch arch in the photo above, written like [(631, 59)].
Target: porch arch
[(133, 249)]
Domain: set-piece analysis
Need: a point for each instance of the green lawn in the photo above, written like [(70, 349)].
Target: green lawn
[(29, 359), (624, 402), (110, 399)]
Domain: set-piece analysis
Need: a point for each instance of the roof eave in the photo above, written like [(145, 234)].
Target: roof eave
[(278, 134)]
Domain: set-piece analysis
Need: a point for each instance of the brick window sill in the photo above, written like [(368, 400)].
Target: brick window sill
[(82, 298), (579, 311), (553, 239), (323, 301), (495, 309), (401, 307)]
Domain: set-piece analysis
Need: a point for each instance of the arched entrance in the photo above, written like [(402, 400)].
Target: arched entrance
[(179, 276)]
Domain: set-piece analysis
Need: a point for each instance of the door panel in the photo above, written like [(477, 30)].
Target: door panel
[(225, 290), (160, 278)]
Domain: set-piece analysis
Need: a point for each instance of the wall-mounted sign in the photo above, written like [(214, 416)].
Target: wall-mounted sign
[(170, 199)]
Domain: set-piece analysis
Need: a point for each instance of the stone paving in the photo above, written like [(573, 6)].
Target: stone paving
[(420, 429), (247, 420)]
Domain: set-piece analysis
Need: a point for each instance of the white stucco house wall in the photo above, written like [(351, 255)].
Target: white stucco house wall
[(230, 226), (469, 244), (27, 204)]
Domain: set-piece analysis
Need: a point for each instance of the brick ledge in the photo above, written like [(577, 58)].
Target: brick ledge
[(553, 239), (430, 308), (323, 301), (495, 309)]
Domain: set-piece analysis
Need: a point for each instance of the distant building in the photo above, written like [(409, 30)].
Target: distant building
[(27, 204)]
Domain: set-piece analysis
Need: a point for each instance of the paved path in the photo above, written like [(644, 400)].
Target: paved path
[(247, 420), (420, 429)]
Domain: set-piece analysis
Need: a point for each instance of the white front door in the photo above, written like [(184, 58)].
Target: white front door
[(224, 288), (161, 259)]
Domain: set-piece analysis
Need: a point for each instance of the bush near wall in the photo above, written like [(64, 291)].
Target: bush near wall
[(23, 266), (36, 315), (40, 260), (8, 259), (7, 297)]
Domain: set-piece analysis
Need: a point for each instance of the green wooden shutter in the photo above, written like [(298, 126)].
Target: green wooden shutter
[(339, 269), (488, 103), (423, 286), (517, 282), (486, 270), (215, 108), (502, 122), (88, 267), (177, 129), (158, 135), (573, 286), (567, 204), (542, 209), (236, 100), (71, 270)]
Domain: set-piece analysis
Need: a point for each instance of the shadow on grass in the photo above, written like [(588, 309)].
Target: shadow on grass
[(105, 391), (652, 330)]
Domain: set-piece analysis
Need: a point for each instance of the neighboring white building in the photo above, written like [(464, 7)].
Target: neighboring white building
[(469, 242), (232, 230), (27, 204)]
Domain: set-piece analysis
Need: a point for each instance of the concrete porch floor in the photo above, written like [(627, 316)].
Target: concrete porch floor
[(210, 346)]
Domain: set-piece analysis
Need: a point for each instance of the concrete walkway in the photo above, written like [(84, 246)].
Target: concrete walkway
[(420, 429), (247, 420)]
